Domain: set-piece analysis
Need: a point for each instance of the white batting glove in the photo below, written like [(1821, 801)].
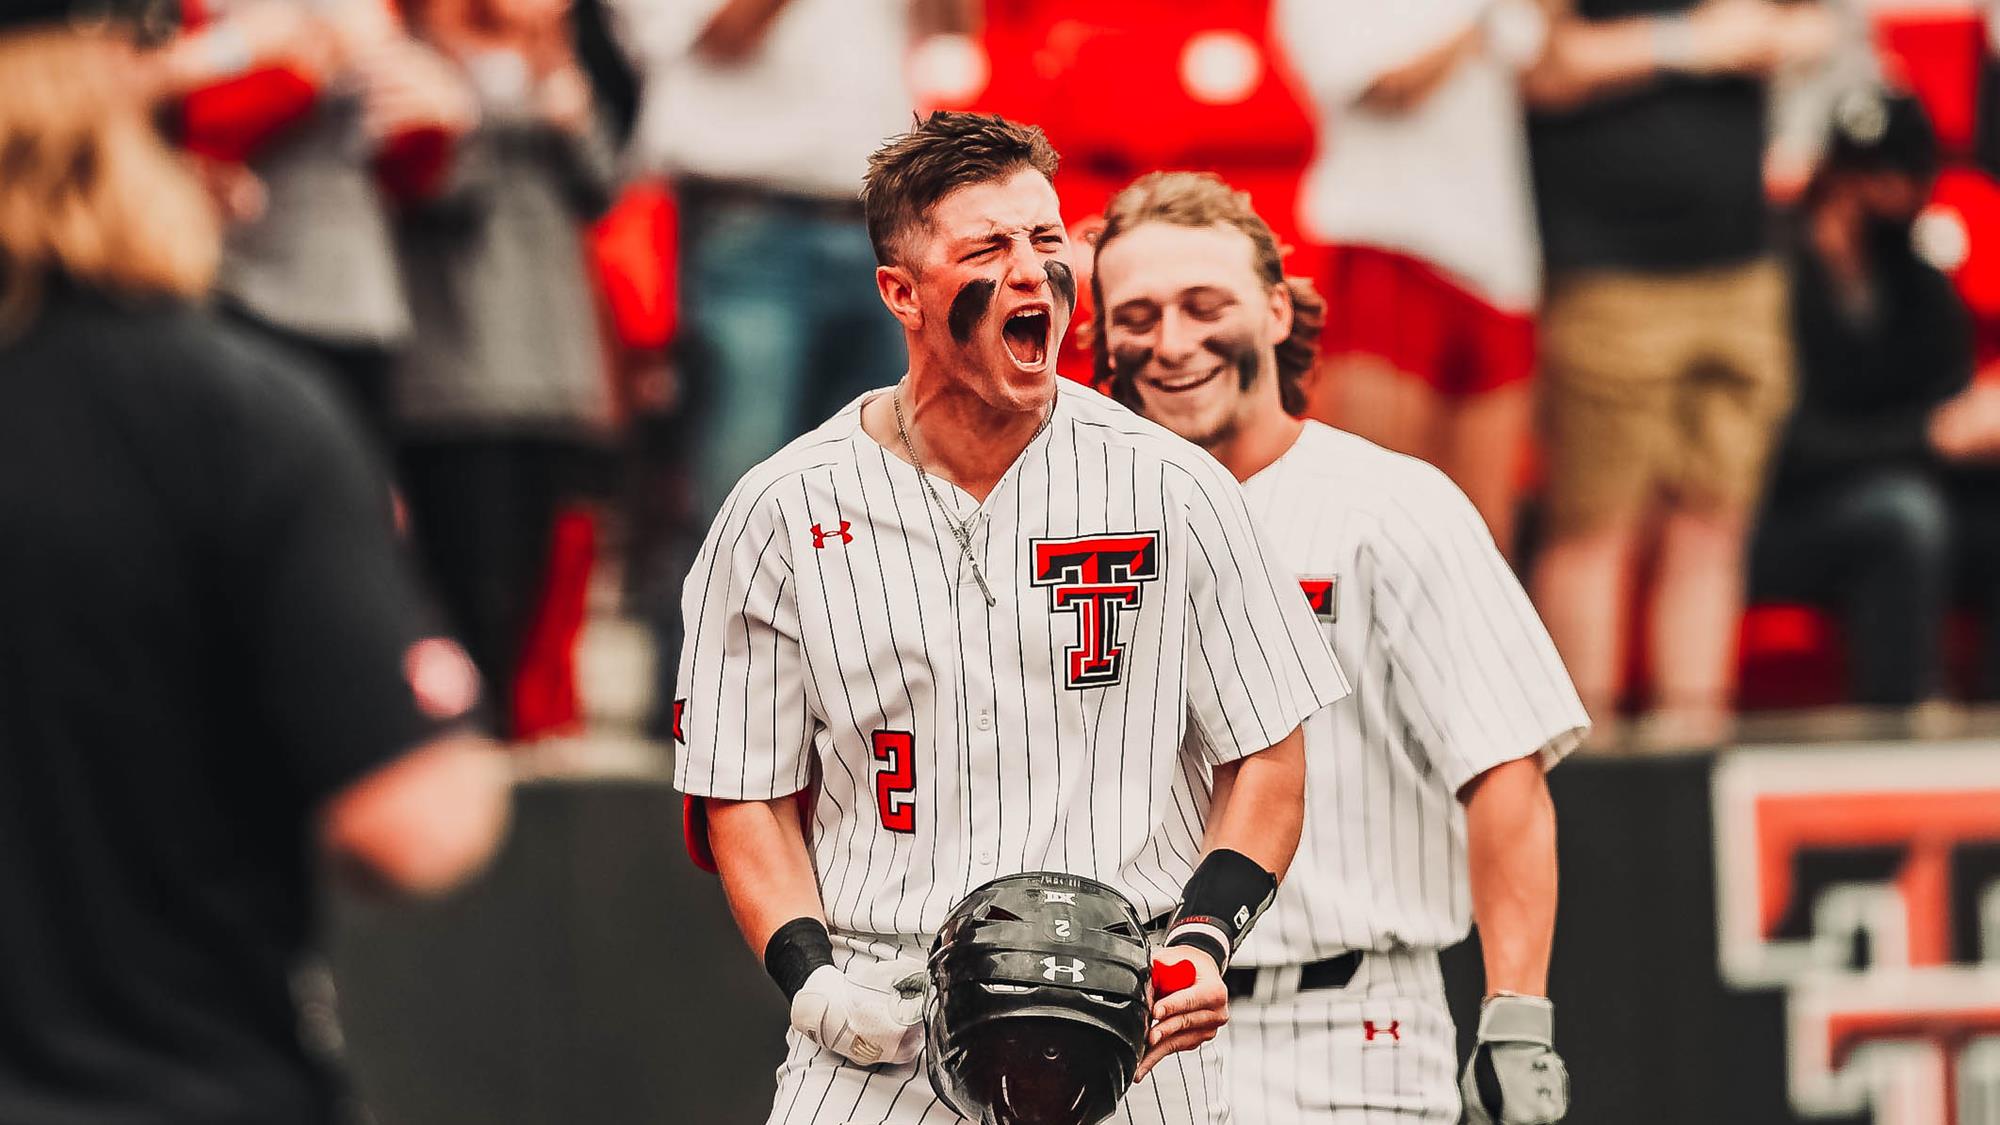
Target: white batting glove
[(1514, 1076), (871, 1014)]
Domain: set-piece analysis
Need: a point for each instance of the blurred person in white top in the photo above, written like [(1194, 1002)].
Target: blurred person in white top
[(762, 114), (1420, 188), (788, 94)]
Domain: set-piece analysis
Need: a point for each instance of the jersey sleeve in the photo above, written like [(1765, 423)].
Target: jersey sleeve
[(340, 652), (1257, 665), (742, 718), (1472, 670)]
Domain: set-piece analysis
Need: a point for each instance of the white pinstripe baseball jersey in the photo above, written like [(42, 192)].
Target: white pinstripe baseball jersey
[(1453, 672), (836, 634)]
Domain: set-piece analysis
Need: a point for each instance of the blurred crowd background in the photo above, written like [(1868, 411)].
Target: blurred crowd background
[(1699, 302)]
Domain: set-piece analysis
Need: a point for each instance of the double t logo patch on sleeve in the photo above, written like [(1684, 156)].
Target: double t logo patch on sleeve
[(1323, 595)]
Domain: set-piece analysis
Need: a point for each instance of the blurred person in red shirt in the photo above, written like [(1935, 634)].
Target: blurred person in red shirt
[(1420, 188), (502, 394), (330, 107)]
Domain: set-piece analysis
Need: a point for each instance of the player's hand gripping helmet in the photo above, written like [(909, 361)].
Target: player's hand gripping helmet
[(1038, 1009)]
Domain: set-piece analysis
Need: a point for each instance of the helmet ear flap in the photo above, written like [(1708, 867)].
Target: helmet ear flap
[(1037, 1012)]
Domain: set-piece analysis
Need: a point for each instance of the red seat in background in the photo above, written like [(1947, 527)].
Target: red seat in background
[(1935, 50), (1960, 233), (1790, 656), (1124, 87)]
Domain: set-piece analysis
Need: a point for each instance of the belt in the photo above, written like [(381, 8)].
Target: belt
[(1334, 972), (704, 190)]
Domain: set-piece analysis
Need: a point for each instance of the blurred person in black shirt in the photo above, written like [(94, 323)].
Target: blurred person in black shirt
[(214, 672), (1861, 515), (1666, 367)]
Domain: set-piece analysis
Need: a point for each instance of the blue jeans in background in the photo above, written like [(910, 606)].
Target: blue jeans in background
[(1876, 549), (781, 326)]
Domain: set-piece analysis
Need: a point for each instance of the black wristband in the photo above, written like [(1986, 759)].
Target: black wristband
[(799, 947), (1221, 902)]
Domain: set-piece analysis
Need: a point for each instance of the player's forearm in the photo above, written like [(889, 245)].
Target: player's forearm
[(1511, 846), (767, 873), (736, 29), (1259, 804), (1407, 84)]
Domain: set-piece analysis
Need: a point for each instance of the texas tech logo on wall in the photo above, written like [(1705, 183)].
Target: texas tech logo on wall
[(1096, 578), (1865, 884)]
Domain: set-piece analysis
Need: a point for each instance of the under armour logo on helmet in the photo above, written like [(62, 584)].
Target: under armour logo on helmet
[(1053, 965), (1068, 897)]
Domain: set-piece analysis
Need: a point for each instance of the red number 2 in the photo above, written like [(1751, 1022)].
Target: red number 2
[(896, 780)]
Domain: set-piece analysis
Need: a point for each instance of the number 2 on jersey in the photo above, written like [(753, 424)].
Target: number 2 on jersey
[(896, 779)]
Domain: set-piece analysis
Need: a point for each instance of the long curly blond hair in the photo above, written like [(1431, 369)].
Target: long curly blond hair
[(1201, 199), (88, 188)]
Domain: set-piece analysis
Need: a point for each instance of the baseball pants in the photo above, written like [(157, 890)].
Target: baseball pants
[(1381, 1049), (819, 1087)]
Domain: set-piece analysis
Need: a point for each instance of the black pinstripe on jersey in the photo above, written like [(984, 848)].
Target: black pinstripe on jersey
[(1453, 675)]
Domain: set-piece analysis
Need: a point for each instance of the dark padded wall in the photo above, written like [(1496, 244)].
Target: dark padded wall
[(595, 977)]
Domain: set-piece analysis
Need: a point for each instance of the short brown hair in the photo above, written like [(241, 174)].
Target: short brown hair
[(944, 152), (1201, 199)]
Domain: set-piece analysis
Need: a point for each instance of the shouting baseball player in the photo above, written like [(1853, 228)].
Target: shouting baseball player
[(995, 623), (1338, 1012)]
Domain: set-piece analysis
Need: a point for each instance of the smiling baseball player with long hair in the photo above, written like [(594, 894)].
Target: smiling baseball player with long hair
[(1002, 625), (1426, 805)]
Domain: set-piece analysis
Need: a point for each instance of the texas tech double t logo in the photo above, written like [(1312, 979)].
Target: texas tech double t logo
[(1892, 850), (1094, 577)]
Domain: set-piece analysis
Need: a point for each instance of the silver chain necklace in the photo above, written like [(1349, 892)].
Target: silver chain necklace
[(959, 531)]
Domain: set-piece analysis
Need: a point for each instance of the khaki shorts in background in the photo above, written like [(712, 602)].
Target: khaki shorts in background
[(1661, 385)]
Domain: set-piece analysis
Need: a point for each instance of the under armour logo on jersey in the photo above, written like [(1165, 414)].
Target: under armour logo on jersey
[(1053, 965), (1393, 1029), (1323, 595), (1093, 577), (820, 537)]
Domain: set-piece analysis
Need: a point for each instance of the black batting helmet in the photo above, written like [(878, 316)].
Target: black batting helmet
[(1038, 1001)]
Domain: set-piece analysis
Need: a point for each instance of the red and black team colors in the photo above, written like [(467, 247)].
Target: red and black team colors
[(1046, 636)]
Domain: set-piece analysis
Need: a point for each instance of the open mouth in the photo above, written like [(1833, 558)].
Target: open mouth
[(1026, 335), (1181, 383)]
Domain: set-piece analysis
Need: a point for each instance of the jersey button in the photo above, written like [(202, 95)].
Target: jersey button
[(985, 721), (985, 859)]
